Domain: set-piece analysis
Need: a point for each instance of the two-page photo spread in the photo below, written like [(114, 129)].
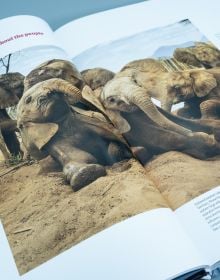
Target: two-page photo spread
[(110, 157)]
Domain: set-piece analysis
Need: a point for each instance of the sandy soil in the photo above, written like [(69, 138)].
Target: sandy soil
[(1, 157), (42, 216), (181, 178)]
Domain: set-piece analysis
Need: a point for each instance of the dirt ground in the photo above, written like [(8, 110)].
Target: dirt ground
[(42, 216), (181, 178), (1, 157)]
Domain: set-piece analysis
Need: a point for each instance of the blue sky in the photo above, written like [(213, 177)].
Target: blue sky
[(27, 59), (151, 43)]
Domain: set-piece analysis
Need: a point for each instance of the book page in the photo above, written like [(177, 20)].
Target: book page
[(203, 223), (67, 174), (176, 163), (21, 32), (129, 247), (87, 32), (192, 188)]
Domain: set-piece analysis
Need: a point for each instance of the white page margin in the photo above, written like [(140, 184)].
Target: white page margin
[(205, 239), (145, 245)]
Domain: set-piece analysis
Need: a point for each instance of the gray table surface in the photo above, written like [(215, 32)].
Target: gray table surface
[(57, 13)]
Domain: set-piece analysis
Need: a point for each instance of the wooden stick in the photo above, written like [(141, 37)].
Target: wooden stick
[(14, 168), (22, 230)]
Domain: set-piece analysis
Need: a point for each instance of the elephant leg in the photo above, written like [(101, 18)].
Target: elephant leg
[(189, 111), (184, 113), (217, 134), (80, 174), (118, 152), (203, 145), (80, 168), (204, 152), (3, 147), (12, 142), (142, 154), (200, 145), (210, 109), (8, 127), (161, 140)]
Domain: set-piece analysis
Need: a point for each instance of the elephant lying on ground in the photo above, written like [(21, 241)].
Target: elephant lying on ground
[(81, 141), (97, 77), (156, 140), (55, 68), (201, 55), (127, 91), (148, 138), (11, 90)]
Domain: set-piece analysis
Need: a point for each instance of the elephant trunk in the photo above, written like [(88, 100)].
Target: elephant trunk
[(71, 93), (167, 105), (143, 101)]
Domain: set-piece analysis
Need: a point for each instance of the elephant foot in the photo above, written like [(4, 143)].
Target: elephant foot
[(206, 138), (210, 109), (81, 175), (207, 145)]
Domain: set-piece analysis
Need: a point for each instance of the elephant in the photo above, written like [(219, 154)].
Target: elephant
[(202, 54), (156, 66), (3, 148), (82, 142), (97, 77), (199, 90), (11, 90), (55, 68), (128, 90), (145, 65), (146, 138), (8, 127), (155, 140)]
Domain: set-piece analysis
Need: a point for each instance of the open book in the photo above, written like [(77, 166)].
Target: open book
[(99, 179)]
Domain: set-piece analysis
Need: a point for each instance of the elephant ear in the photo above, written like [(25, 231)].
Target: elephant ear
[(203, 82), (114, 116), (38, 134), (92, 96)]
